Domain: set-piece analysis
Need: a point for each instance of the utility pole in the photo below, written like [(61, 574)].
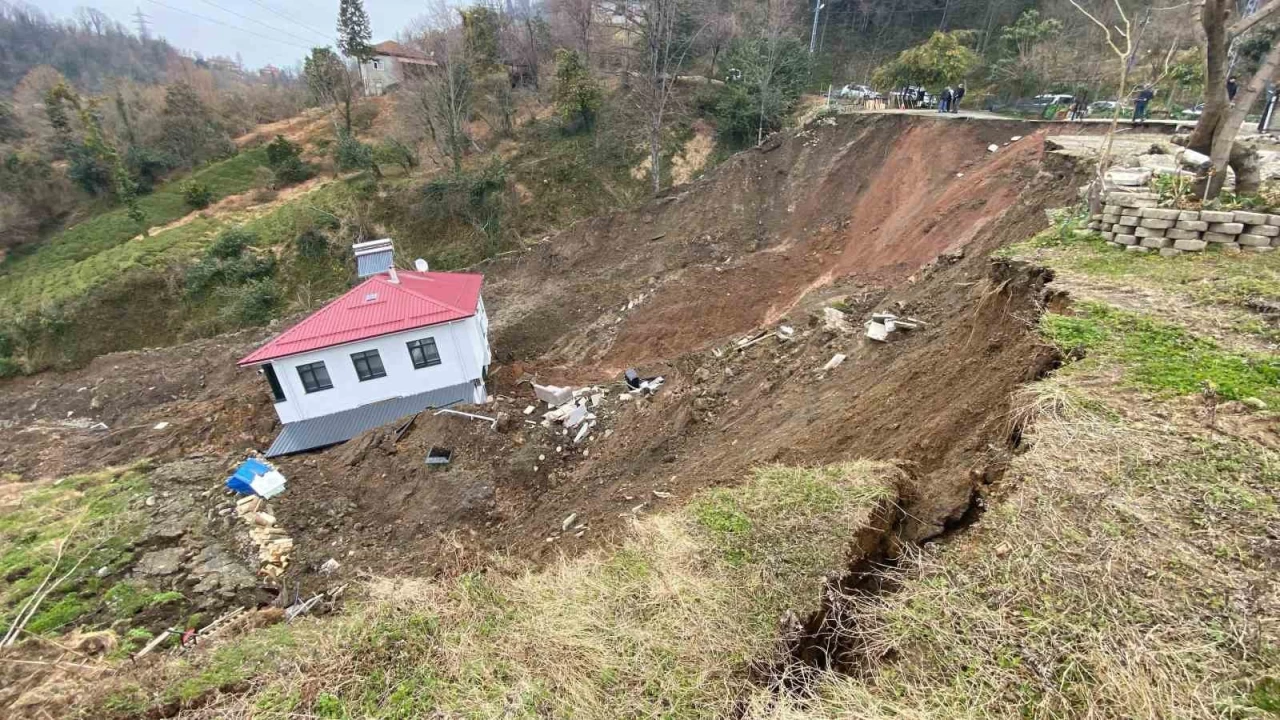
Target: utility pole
[(140, 22), (813, 34)]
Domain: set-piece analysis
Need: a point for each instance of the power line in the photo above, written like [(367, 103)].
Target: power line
[(279, 14), (259, 22), (228, 25), (140, 22)]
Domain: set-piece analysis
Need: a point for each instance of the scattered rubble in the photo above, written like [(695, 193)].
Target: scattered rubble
[(881, 325)]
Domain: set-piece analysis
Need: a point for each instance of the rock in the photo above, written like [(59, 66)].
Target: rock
[(1126, 239), (1216, 216), (1169, 252), (160, 562), (702, 374), (1194, 225), (1268, 230), (1190, 245), (150, 501), (1188, 214), (625, 397), (1157, 162), (1155, 223), (1145, 232), (1253, 240), (1227, 228), (1129, 220), (993, 148), (1254, 403), (103, 571), (1129, 178), (835, 321), (1214, 237), (1193, 160), (1155, 242), (1176, 234), (529, 410), (330, 566), (1134, 200), (568, 522), (1137, 249), (95, 403), (1250, 218)]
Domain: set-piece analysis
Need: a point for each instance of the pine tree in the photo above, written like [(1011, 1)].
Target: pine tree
[(354, 31)]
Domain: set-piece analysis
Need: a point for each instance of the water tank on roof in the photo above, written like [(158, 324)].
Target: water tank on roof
[(373, 257)]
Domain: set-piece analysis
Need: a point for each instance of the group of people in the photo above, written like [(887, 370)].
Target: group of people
[(949, 100), (912, 97)]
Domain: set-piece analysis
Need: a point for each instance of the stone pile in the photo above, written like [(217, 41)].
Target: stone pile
[(1131, 219), (274, 545)]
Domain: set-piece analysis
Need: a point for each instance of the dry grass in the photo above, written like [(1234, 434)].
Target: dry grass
[(1128, 575), (663, 626)]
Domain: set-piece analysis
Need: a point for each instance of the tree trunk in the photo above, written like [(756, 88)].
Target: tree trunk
[(1222, 149), (1213, 17), (655, 153), (1104, 158)]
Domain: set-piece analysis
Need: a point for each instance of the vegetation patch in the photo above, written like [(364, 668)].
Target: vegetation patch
[(94, 520), (1162, 357), (662, 626)]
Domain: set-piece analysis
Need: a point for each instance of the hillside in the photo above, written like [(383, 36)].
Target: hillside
[(1021, 507)]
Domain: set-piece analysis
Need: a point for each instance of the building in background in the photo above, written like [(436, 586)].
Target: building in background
[(392, 64)]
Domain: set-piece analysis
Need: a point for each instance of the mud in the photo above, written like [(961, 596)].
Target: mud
[(869, 213)]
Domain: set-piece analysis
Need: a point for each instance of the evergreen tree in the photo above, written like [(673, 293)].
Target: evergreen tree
[(354, 31)]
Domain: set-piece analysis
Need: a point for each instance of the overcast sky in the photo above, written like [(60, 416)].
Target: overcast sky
[(277, 32)]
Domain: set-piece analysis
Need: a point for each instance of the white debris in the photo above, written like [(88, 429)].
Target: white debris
[(161, 425), (834, 362), (785, 332), (596, 399), (330, 566), (576, 416), (1015, 138), (268, 485), (568, 522), (582, 433), (993, 148), (529, 410), (835, 321), (662, 494), (624, 397), (881, 324), (552, 394)]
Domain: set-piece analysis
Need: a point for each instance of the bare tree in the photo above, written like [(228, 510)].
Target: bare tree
[(665, 41), (1121, 43), (1216, 130), (443, 99), (577, 19)]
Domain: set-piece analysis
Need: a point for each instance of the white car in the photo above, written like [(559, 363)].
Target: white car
[(858, 92)]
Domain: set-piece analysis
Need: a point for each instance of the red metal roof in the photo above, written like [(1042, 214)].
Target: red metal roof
[(376, 307)]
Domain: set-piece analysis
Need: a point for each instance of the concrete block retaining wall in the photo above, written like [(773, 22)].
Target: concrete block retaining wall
[(1131, 219)]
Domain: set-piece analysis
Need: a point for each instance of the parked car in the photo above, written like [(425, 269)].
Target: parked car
[(1194, 112), (1052, 99), (859, 92)]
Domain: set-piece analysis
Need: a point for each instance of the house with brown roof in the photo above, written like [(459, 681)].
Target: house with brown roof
[(392, 64)]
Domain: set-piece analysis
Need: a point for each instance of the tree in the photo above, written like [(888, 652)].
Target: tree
[(577, 18), (354, 33), (1121, 43), (944, 59), (480, 36), (1219, 124), (666, 39), (1020, 71), (577, 96), (189, 129), (329, 82)]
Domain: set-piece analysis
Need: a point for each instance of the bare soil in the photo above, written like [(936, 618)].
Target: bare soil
[(871, 212)]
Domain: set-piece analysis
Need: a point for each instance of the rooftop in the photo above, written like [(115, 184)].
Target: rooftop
[(378, 307)]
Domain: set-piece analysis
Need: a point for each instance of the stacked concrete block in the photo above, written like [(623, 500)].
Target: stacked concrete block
[(1132, 219)]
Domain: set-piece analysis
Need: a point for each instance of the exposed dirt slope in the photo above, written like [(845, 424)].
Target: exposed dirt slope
[(870, 210)]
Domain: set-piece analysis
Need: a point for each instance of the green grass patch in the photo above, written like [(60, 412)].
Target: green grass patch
[(1162, 357), (95, 250), (97, 512), (1204, 277)]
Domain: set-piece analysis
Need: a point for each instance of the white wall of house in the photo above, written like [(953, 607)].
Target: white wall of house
[(380, 73), (464, 354)]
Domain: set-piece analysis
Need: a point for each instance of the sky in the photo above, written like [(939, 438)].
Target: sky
[(275, 32)]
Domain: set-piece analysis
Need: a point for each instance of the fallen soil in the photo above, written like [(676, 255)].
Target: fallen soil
[(870, 213)]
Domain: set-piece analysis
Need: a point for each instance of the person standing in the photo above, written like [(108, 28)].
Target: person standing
[(1140, 105), (957, 97), (944, 100), (1232, 86), (920, 96)]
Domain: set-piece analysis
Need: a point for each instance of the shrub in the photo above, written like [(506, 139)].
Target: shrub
[(395, 152), (89, 170), (285, 160), (577, 96), (148, 166), (351, 154), (197, 195), (363, 115), (280, 151), (312, 244), (231, 243), (252, 303)]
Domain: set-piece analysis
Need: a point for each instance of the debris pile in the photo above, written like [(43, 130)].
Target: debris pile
[(274, 545), (881, 325)]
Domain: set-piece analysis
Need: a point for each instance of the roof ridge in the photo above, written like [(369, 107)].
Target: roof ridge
[(415, 293)]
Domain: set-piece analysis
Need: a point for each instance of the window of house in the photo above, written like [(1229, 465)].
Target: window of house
[(368, 365), (314, 377), (277, 392), (424, 353)]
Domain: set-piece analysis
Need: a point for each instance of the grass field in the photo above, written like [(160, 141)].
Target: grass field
[(94, 251)]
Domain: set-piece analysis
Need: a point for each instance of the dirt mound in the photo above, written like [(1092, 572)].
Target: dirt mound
[(870, 213)]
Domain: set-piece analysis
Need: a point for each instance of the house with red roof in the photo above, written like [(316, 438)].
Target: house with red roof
[(394, 345)]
